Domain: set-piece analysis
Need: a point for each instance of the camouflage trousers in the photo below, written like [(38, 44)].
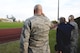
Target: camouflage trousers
[(74, 47)]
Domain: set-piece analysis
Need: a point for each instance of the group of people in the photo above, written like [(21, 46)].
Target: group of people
[(35, 34), (67, 36)]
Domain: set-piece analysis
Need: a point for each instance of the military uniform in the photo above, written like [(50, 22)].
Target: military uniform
[(34, 37), (74, 37)]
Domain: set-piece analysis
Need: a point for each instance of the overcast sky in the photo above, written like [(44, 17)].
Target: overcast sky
[(23, 9)]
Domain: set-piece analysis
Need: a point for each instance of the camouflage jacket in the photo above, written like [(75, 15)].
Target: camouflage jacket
[(34, 37), (74, 34)]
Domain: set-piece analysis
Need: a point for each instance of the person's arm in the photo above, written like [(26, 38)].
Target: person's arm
[(24, 39), (75, 32), (71, 26)]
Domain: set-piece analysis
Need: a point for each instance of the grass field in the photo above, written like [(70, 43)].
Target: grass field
[(13, 47), (10, 47), (4, 25), (52, 40)]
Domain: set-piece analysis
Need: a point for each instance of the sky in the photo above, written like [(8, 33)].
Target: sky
[(23, 9)]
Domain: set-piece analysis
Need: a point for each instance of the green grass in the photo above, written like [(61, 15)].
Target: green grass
[(10, 47), (52, 40), (4, 25)]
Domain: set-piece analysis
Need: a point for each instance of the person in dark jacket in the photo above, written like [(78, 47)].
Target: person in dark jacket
[(63, 35)]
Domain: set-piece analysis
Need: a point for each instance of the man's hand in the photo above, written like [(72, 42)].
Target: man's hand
[(60, 51)]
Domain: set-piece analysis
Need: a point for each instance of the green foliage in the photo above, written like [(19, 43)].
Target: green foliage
[(54, 22), (10, 25)]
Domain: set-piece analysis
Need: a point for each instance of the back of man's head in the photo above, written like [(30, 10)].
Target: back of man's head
[(71, 18), (38, 9), (62, 20)]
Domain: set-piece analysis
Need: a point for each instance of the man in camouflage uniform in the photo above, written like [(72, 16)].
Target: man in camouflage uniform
[(74, 34), (34, 37)]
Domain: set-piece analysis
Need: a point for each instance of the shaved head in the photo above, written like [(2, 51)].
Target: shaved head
[(38, 6), (38, 9), (71, 18)]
